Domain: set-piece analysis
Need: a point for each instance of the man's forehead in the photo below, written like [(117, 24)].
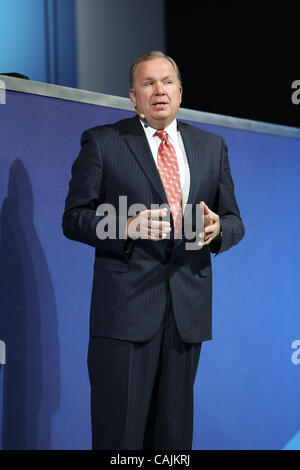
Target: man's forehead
[(155, 66), (162, 77)]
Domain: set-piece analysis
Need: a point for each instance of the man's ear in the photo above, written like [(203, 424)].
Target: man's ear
[(132, 96)]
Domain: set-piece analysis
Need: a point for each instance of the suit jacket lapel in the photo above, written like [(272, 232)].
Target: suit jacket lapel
[(192, 145), (192, 148), (138, 144)]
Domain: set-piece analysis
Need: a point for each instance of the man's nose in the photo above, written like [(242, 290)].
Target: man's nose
[(159, 89)]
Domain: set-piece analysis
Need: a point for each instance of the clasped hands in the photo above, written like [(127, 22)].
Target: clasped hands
[(145, 225)]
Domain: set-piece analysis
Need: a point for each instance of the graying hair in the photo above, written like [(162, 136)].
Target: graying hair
[(150, 56)]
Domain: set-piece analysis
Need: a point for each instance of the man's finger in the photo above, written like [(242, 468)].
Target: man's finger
[(156, 213), (206, 241), (155, 236), (206, 209), (159, 224), (211, 218), (210, 228), (158, 230)]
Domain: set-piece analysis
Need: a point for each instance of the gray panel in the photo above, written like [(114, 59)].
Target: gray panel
[(100, 99), (105, 50)]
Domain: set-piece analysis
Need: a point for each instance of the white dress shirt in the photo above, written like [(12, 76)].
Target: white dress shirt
[(175, 138)]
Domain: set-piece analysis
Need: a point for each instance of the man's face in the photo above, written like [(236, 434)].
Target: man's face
[(156, 93)]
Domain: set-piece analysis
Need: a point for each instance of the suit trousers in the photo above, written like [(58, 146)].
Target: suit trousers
[(142, 392)]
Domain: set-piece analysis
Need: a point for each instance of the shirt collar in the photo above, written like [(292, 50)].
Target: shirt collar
[(171, 130)]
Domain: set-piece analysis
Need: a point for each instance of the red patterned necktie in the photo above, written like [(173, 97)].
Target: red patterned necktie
[(169, 173)]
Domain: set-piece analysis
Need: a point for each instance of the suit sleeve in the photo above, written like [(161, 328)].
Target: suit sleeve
[(226, 207), (86, 193)]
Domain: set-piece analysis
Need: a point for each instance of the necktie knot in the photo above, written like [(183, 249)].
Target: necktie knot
[(161, 133)]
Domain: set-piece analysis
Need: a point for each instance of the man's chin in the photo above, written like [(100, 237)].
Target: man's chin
[(162, 118)]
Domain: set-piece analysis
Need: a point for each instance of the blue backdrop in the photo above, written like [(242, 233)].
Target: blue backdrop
[(247, 386), (37, 39)]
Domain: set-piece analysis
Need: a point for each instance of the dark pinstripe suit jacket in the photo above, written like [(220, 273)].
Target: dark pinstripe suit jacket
[(132, 278)]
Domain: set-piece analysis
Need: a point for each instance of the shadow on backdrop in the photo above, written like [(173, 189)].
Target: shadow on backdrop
[(29, 324)]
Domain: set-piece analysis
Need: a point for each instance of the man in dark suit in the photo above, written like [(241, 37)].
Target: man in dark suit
[(152, 292)]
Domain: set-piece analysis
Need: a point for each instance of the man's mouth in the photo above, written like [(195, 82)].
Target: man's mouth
[(160, 103)]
